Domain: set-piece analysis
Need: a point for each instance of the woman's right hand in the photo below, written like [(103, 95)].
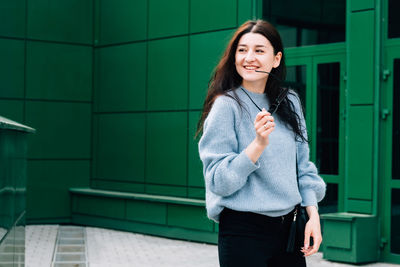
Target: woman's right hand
[(263, 124), (256, 148)]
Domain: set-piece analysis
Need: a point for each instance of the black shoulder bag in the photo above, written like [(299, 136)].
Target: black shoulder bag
[(300, 218)]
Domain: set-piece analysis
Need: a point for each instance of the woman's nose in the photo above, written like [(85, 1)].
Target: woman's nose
[(250, 56)]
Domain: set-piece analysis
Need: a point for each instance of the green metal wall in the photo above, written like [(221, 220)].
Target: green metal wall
[(149, 88), (150, 79), (114, 89), (46, 81)]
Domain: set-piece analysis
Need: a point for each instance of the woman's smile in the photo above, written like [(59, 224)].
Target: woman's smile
[(250, 67)]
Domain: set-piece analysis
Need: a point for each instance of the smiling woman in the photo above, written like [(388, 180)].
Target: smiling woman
[(249, 156), (255, 52)]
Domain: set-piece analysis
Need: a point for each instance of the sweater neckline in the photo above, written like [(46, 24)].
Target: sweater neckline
[(258, 96)]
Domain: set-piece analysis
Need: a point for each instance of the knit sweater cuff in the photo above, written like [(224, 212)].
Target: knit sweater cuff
[(246, 165), (309, 198)]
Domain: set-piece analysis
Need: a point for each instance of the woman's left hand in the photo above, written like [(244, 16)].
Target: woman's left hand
[(313, 229)]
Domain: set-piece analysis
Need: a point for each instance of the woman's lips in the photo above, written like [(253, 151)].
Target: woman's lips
[(250, 67)]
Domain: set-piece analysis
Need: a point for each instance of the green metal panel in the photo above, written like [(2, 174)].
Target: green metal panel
[(12, 109), (64, 21), (341, 237), (357, 5), (63, 129), (244, 11), (120, 147), (350, 237), (168, 18), (168, 74), (118, 186), (58, 71), (120, 78), (167, 190), (195, 167), (199, 193), (52, 179), (361, 57), (257, 12), (146, 212), (186, 218), (145, 228), (362, 206), (121, 21), (189, 217), (166, 144), (105, 207), (135, 196), (359, 149), (207, 15), (205, 52), (12, 14), (11, 67)]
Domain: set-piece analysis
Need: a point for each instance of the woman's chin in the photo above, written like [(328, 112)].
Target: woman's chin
[(252, 79)]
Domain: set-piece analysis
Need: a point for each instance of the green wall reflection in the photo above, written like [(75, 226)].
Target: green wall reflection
[(13, 153)]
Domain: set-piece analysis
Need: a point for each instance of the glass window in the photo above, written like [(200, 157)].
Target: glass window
[(307, 22), (396, 121), (395, 222), (330, 202), (328, 118), (394, 19), (296, 80)]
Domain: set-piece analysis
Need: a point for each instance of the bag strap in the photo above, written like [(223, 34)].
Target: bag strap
[(297, 173)]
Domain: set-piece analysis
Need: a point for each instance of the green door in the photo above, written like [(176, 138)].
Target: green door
[(318, 75), (389, 160)]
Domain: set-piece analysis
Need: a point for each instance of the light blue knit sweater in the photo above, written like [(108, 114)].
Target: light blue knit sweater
[(270, 185)]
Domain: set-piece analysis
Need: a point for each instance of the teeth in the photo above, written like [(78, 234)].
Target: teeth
[(250, 68)]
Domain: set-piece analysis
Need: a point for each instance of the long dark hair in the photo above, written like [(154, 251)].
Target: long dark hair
[(225, 77)]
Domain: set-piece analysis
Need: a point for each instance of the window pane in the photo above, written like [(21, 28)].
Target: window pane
[(330, 202), (307, 22), (396, 121), (328, 118), (394, 19), (395, 222), (296, 80)]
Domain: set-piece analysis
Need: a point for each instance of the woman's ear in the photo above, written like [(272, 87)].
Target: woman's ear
[(277, 59)]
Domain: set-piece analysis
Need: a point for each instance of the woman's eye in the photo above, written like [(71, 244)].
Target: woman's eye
[(259, 51), (241, 50)]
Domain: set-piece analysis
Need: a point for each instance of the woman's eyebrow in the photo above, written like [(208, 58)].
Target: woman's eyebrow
[(255, 45)]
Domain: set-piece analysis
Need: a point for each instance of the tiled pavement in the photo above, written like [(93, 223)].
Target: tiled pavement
[(73, 246)]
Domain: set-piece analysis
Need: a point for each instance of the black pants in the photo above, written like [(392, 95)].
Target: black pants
[(252, 240)]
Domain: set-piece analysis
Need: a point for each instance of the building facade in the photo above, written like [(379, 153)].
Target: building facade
[(115, 89)]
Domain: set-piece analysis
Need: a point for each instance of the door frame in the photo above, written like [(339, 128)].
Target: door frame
[(311, 56), (391, 52)]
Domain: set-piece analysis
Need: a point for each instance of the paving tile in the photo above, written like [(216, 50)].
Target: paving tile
[(110, 248), (40, 243)]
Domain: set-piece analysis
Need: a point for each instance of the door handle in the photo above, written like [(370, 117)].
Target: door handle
[(385, 113)]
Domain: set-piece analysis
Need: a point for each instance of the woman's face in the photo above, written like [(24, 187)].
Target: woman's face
[(255, 52)]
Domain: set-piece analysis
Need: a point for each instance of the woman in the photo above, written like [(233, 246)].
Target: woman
[(249, 156)]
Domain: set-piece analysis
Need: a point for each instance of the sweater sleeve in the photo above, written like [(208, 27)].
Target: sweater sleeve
[(312, 187), (225, 169)]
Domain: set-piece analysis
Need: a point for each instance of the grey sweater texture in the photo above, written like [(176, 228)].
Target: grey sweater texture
[(267, 187)]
